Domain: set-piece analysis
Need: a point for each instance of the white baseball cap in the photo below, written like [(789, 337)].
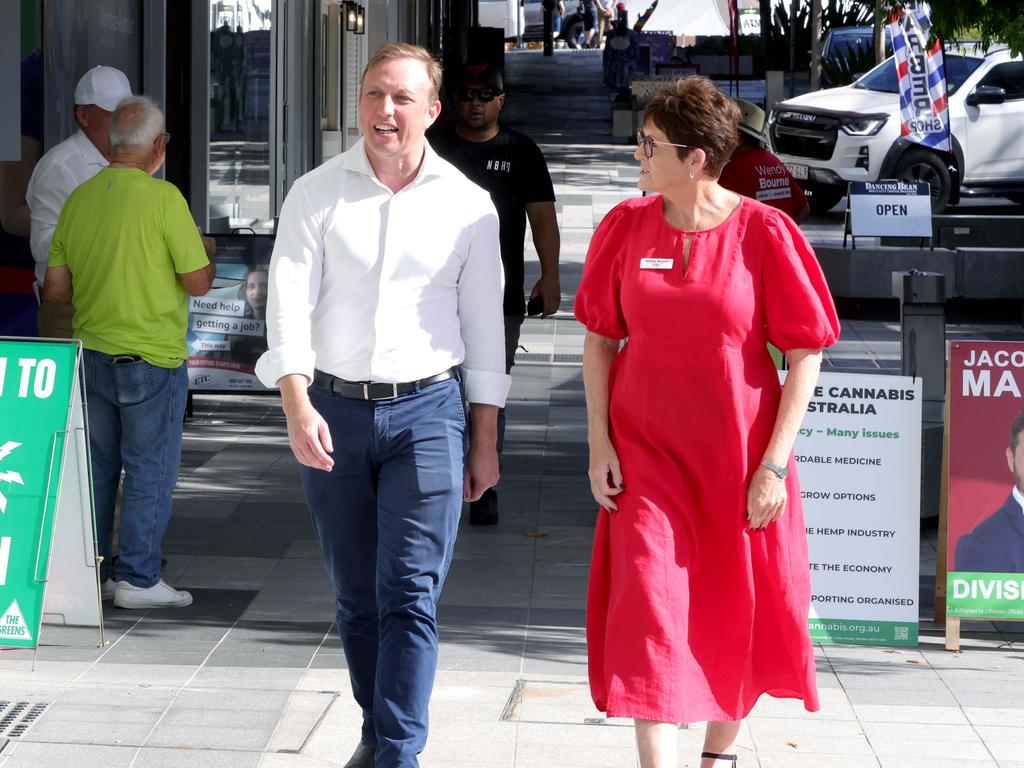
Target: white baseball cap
[(105, 87)]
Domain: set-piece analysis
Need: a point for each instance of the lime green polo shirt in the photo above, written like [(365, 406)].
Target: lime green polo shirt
[(126, 237)]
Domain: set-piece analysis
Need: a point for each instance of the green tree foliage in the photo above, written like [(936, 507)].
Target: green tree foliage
[(991, 21)]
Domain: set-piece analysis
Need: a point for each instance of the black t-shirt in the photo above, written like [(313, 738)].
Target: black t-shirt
[(512, 169)]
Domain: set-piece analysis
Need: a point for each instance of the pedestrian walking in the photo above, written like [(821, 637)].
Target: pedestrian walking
[(699, 587), (384, 302)]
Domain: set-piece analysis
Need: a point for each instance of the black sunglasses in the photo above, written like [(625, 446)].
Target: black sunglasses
[(485, 95)]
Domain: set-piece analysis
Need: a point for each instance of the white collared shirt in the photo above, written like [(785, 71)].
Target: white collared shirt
[(367, 284), (1018, 497), (55, 177)]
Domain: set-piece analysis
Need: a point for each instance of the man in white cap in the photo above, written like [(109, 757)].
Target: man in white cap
[(73, 161)]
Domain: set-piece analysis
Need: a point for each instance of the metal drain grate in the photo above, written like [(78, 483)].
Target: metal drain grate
[(16, 717)]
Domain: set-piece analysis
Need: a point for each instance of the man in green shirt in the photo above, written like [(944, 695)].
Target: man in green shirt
[(127, 254)]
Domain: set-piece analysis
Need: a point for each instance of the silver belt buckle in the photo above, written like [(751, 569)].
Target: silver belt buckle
[(392, 396)]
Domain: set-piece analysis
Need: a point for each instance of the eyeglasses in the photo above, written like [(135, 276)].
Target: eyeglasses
[(485, 95), (648, 143), (167, 138)]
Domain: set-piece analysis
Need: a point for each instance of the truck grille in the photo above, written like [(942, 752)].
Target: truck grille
[(804, 134)]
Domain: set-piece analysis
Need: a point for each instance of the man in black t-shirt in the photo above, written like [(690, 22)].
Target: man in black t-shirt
[(512, 169)]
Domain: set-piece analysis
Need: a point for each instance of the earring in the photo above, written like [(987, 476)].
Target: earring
[(691, 174)]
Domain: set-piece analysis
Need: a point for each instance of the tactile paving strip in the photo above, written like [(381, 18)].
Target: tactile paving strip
[(16, 717)]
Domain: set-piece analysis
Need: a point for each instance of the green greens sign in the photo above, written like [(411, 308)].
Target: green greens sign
[(36, 384), (863, 632), (985, 595)]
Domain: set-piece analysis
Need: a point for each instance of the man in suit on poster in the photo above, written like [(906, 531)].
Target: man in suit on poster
[(996, 544)]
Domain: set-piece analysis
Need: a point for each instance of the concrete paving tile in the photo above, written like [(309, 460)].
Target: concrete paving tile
[(301, 715), (1005, 743), (914, 698), (573, 756), (942, 749), (192, 658), (892, 733), (495, 742), (127, 697), (791, 759), (338, 733), (15, 670), (112, 733), (813, 744), (209, 737), (1006, 699), (835, 705), (227, 572), (195, 758), (793, 728), (26, 754), (996, 716), (268, 760), (576, 735), (260, 678), (912, 761), (895, 713), (138, 674), (329, 661), (325, 680)]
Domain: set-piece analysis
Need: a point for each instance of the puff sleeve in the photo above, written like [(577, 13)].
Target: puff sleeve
[(798, 309), (598, 304)]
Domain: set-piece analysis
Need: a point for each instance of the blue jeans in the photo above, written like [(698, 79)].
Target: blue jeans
[(386, 516), (135, 412)]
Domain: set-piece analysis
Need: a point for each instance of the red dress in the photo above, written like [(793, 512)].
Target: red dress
[(691, 616)]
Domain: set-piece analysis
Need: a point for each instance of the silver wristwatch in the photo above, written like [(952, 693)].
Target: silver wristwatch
[(775, 469)]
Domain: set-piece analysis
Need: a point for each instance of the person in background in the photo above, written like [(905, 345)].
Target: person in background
[(75, 160), (699, 582), (127, 253), (384, 301), (753, 171), (511, 167), (589, 22), (996, 543)]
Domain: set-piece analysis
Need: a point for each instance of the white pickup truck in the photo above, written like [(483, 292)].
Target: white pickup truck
[(832, 137)]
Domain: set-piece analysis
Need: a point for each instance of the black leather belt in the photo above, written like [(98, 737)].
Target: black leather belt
[(376, 390)]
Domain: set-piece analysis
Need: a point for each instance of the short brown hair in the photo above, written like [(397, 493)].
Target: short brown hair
[(694, 111), (1015, 429), (392, 51)]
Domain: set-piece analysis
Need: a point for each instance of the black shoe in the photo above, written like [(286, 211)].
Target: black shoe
[(362, 757), (484, 511)]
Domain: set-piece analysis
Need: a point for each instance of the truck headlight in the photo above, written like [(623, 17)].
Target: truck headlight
[(863, 126)]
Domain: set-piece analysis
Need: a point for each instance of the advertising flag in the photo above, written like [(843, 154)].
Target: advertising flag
[(922, 78)]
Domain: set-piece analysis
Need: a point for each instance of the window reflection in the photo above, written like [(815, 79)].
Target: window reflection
[(239, 191)]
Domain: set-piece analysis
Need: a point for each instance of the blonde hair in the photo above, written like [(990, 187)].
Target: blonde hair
[(392, 51)]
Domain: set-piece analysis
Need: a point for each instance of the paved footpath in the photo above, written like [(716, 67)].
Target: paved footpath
[(252, 674)]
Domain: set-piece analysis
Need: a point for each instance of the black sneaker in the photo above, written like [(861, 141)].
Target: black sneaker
[(484, 511)]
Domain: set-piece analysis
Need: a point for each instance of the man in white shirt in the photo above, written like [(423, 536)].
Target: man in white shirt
[(385, 300), (75, 160)]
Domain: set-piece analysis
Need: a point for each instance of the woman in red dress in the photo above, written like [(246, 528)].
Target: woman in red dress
[(699, 588)]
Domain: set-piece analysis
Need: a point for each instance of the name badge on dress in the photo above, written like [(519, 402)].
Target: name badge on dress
[(656, 263)]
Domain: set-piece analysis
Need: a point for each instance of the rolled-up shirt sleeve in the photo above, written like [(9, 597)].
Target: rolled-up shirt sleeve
[(294, 284), (481, 292), (47, 192)]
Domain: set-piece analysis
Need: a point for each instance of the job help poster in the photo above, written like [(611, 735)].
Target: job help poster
[(858, 455)]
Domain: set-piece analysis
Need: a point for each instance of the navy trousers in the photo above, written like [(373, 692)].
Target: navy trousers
[(386, 516)]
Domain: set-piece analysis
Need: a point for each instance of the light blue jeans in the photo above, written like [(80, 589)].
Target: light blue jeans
[(135, 413)]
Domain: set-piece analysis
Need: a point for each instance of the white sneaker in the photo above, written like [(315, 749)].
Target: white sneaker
[(108, 589), (160, 595)]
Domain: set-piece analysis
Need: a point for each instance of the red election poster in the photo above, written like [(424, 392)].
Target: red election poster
[(986, 480)]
